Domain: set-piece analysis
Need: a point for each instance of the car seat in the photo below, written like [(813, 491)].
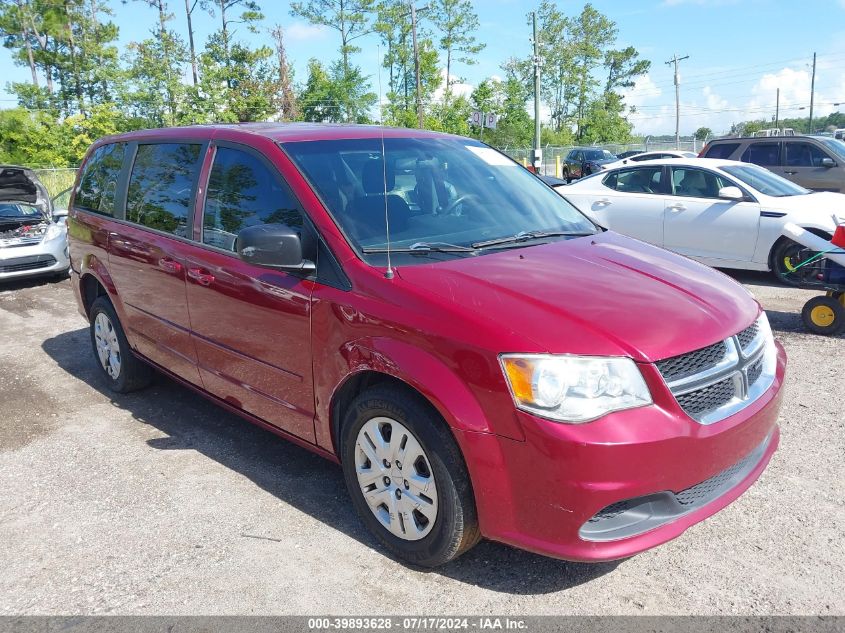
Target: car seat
[(367, 213)]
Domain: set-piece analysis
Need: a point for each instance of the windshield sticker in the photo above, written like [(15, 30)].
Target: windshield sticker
[(491, 156)]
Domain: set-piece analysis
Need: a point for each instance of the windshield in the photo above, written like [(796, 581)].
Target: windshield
[(765, 181), (441, 193), (598, 154), (18, 211), (836, 146)]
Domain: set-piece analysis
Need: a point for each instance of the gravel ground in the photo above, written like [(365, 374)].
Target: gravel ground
[(161, 503)]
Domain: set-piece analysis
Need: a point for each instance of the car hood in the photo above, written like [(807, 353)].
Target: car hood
[(821, 204), (19, 185), (600, 295)]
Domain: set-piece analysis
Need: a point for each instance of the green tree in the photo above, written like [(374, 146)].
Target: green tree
[(703, 133), (155, 65), (352, 20), (333, 96), (250, 16), (155, 91), (394, 27), (457, 22), (237, 83)]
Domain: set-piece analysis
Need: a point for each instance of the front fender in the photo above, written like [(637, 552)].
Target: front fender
[(425, 373)]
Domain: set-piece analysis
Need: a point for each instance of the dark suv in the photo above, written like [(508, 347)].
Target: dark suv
[(583, 161), (813, 162)]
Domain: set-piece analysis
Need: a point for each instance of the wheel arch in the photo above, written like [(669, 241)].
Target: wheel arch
[(392, 362), (815, 230)]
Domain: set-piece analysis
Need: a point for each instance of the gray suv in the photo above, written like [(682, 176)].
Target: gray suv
[(814, 162)]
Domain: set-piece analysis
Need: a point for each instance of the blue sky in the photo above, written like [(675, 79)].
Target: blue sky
[(740, 52)]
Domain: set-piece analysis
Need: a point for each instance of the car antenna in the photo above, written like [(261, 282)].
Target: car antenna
[(388, 274)]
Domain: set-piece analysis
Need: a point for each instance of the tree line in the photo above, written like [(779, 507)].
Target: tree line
[(81, 85)]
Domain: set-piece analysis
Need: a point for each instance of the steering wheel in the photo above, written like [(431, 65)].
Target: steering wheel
[(457, 201)]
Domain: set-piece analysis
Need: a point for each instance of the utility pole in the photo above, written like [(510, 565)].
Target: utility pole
[(413, 13), (537, 158), (417, 64), (675, 59), (777, 110), (812, 93)]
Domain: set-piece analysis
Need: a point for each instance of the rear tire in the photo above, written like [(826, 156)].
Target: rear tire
[(123, 371), (824, 315), (423, 510)]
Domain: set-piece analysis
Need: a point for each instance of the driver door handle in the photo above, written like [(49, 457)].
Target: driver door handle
[(677, 206), (791, 173)]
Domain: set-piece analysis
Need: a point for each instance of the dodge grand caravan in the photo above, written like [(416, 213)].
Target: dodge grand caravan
[(480, 358)]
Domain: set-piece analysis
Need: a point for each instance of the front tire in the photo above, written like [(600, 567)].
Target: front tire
[(407, 478), (786, 256), (121, 369)]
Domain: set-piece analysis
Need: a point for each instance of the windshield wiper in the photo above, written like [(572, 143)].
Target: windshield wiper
[(422, 247), (524, 236)]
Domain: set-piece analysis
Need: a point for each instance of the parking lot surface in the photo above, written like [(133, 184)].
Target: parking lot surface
[(159, 502)]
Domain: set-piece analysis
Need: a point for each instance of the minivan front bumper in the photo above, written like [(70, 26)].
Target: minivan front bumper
[(666, 471)]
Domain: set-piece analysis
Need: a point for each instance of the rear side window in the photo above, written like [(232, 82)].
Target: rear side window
[(161, 186), (243, 191), (763, 154), (98, 184), (641, 180), (803, 155), (721, 150)]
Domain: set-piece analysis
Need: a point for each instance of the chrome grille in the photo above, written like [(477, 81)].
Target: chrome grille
[(693, 363), (717, 381), (755, 371), (747, 336)]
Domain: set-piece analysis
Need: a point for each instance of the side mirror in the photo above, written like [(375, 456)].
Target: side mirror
[(731, 193), (60, 216), (273, 246), (828, 163)]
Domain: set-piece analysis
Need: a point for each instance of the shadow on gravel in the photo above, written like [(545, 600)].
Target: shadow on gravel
[(31, 282), (297, 477)]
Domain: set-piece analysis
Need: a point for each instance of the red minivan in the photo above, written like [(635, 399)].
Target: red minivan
[(481, 359)]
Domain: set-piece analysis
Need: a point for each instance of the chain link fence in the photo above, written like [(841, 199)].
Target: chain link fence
[(553, 156), (56, 180)]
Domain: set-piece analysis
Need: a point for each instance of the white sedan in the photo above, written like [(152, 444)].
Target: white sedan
[(653, 155), (722, 213)]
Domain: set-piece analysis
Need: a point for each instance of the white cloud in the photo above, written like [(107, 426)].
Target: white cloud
[(302, 32)]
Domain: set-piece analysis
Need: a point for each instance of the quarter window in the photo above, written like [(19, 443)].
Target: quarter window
[(803, 155), (763, 154), (98, 184), (161, 187), (697, 183), (722, 150), (243, 191)]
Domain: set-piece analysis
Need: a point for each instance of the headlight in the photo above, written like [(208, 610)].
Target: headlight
[(53, 231), (574, 389)]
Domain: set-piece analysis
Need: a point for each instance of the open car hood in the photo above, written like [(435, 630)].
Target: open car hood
[(19, 185)]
